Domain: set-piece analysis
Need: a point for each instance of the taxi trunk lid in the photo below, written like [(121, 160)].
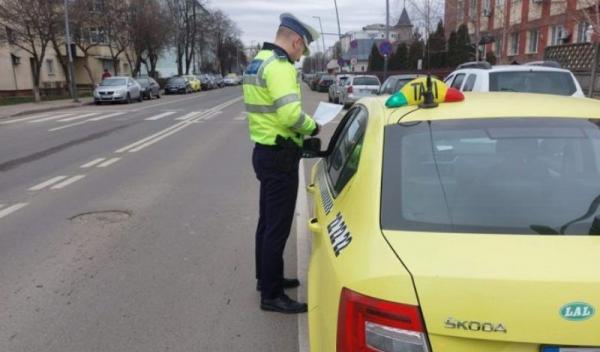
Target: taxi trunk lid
[(511, 288)]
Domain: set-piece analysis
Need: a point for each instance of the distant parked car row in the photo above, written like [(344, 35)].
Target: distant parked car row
[(126, 89)]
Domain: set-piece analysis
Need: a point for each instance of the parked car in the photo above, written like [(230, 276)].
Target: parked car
[(325, 82), (176, 85), (468, 227), (357, 87), (207, 81), (335, 88), (195, 83), (118, 89), (314, 82), (232, 80), (220, 80), (394, 83), (536, 77), (150, 88)]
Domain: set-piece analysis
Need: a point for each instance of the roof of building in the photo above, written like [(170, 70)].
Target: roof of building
[(404, 20)]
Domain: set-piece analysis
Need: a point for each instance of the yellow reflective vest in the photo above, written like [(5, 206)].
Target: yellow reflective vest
[(273, 98)]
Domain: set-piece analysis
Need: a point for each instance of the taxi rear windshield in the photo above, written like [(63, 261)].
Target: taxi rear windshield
[(545, 82), (493, 176)]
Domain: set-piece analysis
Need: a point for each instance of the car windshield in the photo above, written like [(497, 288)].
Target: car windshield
[(365, 81), (493, 176), (110, 82), (548, 82), (143, 81), (177, 80)]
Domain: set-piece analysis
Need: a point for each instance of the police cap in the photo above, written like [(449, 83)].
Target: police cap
[(305, 31)]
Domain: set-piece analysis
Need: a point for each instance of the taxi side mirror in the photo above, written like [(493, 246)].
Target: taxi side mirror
[(311, 148)]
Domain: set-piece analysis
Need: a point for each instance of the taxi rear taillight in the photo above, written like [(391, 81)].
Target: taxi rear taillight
[(368, 324)]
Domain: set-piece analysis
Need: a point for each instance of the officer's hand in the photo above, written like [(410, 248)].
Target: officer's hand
[(316, 130)]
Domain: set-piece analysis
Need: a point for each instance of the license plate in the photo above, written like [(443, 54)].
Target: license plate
[(569, 349)]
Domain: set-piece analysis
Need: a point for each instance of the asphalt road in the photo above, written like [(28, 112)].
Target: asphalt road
[(130, 228)]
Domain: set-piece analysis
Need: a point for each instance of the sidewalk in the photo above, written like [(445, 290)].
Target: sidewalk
[(45, 106)]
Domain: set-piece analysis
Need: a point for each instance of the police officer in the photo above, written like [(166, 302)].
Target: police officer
[(277, 127)]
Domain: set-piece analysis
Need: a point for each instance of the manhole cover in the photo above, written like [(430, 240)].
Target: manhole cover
[(102, 217)]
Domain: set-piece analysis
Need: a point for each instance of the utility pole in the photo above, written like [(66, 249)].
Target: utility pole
[(337, 14), (73, 89), (323, 39), (387, 38)]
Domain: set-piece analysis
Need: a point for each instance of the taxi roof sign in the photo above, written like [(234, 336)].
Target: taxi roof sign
[(426, 92)]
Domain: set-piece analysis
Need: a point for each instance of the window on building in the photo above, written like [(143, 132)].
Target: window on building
[(10, 35), (97, 36), (499, 4), (498, 47), (473, 9), (96, 5), (486, 4), (514, 44), (534, 36), (50, 67), (460, 11), (582, 28), (556, 34)]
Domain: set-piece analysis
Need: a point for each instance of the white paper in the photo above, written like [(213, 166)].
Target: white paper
[(326, 112)]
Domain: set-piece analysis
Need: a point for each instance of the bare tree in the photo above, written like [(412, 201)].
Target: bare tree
[(86, 31), (425, 14), (113, 20), (30, 24)]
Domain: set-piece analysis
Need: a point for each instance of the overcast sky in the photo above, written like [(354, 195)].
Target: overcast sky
[(259, 19)]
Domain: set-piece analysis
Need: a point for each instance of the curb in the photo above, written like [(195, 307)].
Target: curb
[(48, 109)]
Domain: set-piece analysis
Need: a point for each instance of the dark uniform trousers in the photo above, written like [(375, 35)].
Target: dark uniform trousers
[(278, 192)]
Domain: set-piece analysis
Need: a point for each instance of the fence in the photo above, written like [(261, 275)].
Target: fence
[(582, 59)]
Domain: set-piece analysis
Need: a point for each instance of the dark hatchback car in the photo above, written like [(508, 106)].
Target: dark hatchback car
[(325, 82), (150, 88), (176, 85)]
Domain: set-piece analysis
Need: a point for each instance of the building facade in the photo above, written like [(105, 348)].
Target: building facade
[(357, 45), (16, 67), (519, 30)]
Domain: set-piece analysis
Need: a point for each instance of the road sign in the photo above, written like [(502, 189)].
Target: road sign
[(385, 48), (354, 60)]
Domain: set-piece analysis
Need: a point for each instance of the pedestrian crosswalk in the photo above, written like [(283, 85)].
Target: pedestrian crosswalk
[(65, 120)]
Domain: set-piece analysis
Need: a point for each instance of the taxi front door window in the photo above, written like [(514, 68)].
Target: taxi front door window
[(343, 161)]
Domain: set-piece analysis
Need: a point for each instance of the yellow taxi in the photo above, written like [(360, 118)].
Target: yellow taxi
[(195, 83), (471, 225)]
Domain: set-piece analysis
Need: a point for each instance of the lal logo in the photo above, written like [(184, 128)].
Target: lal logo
[(577, 311)]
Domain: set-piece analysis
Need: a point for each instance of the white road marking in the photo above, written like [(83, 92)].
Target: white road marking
[(190, 115), (303, 245), (69, 119), (47, 183), (68, 182), (99, 118), (173, 131), (242, 117), (12, 209), (194, 117), (160, 116), (92, 163), (49, 118), (104, 117), (37, 116), (109, 162)]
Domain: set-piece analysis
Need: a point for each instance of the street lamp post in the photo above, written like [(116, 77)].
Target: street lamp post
[(322, 38), (387, 38), (337, 14), (74, 94)]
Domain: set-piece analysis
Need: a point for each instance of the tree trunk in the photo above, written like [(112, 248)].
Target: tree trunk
[(64, 62), (89, 72), (36, 84)]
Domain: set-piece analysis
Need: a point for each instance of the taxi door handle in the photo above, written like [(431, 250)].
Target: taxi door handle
[(311, 188), (313, 225)]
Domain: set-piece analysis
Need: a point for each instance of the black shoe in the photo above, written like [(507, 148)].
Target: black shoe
[(287, 283), (283, 304)]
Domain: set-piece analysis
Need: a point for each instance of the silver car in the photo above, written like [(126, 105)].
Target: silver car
[(118, 89), (336, 88), (357, 87)]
